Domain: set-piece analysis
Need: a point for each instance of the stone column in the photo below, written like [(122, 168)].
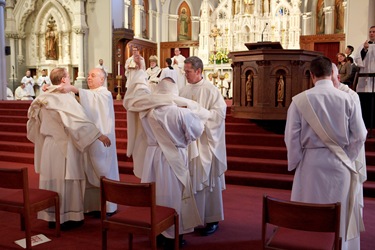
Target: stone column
[(81, 80), (172, 27), (195, 28), (329, 20), (306, 24), (127, 21), (3, 78), (138, 9)]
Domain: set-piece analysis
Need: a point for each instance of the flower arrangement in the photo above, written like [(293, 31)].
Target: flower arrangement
[(221, 57)]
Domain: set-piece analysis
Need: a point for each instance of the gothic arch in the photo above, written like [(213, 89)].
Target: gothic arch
[(58, 12)]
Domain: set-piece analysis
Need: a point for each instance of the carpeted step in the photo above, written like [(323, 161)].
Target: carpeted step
[(269, 180), (121, 132), (13, 119), (258, 139), (248, 164), (370, 158), (13, 127), (17, 112), (370, 144), (252, 151), (18, 157), (20, 147), (125, 167), (13, 137), (370, 172), (120, 115), (369, 189), (244, 128), (24, 105)]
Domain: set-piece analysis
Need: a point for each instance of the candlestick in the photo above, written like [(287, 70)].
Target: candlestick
[(118, 68)]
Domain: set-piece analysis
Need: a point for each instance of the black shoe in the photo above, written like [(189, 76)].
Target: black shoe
[(210, 228), (51, 225), (169, 243), (110, 214), (68, 225)]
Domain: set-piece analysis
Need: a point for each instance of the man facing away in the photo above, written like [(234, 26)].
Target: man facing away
[(101, 66), (208, 160), (29, 83), (323, 155), (97, 103), (162, 157), (365, 60), (178, 65), (61, 131)]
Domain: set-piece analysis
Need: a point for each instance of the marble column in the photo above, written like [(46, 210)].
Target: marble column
[(172, 27), (127, 21), (329, 20), (81, 80), (3, 78), (306, 24), (138, 9)]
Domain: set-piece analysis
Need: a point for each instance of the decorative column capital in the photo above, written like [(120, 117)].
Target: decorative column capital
[(79, 30)]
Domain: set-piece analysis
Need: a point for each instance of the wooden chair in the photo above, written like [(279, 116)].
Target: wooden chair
[(300, 225), (17, 197), (140, 215)]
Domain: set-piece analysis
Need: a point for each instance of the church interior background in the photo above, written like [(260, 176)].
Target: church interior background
[(44, 34)]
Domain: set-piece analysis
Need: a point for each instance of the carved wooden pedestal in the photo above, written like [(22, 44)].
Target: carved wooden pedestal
[(265, 80)]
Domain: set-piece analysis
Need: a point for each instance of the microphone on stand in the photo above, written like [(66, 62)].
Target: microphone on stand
[(264, 30)]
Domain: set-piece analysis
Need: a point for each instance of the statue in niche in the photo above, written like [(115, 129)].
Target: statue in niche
[(184, 25), (51, 40), (280, 90), (339, 9), (320, 17), (249, 89), (249, 6)]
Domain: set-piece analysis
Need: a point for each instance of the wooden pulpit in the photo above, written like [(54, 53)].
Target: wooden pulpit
[(266, 77)]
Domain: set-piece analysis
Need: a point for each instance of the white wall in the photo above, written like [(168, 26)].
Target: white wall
[(357, 26), (99, 21)]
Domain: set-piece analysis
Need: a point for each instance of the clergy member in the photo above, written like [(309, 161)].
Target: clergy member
[(61, 132), (178, 65), (100, 161)]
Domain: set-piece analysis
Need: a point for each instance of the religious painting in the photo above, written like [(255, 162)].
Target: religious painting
[(339, 16), (320, 17), (145, 20), (184, 22)]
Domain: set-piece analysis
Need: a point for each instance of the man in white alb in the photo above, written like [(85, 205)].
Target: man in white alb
[(324, 135), (43, 80), (131, 66), (29, 82), (21, 93), (208, 159), (365, 60), (61, 132), (178, 65), (164, 161), (97, 102), (101, 66)]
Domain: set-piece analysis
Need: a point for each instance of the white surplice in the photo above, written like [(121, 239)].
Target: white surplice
[(101, 160), (208, 158), (61, 131), (367, 65), (321, 177), (29, 84), (179, 67), (181, 126)]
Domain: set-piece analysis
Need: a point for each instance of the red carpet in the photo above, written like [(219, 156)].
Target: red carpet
[(241, 228), (256, 158)]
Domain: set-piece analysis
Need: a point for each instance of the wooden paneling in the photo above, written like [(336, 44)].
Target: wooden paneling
[(330, 44), (167, 49)]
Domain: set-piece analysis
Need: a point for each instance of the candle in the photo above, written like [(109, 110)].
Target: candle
[(118, 68), (222, 67)]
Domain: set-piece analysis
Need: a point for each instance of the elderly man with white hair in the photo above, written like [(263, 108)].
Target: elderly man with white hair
[(162, 157)]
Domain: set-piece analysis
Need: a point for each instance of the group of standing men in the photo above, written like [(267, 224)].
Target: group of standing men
[(184, 150), (74, 144)]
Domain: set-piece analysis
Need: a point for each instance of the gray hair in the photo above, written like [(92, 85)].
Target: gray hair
[(196, 62)]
